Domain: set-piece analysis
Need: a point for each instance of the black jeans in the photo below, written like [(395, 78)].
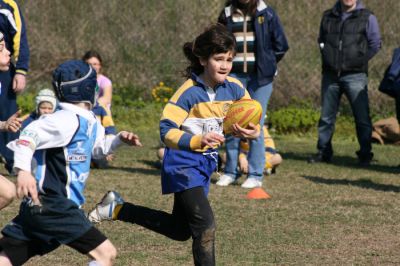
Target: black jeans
[(191, 216)]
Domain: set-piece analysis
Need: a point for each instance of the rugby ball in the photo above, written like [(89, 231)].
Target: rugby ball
[(243, 112)]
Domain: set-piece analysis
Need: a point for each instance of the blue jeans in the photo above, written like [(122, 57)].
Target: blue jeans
[(256, 155), (355, 87)]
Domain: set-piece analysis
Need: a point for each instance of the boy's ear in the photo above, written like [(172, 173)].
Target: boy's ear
[(203, 62)]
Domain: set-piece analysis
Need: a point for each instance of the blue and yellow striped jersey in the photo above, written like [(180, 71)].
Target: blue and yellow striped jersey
[(195, 110)]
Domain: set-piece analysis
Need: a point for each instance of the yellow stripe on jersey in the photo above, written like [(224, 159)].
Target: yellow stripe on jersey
[(210, 109), (234, 80), (18, 23), (185, 86), (195, 143), (174, 113), (172, 138), (107, 121)]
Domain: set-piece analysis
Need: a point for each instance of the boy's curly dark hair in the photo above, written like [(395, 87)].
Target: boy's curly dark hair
[(215, 39)]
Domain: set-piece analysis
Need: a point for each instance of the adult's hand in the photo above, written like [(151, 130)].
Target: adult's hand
[(19, 83)]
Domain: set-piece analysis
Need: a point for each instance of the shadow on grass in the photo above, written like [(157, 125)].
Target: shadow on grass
[(345, 161), (156, 164), (362, 183), (153, 171)]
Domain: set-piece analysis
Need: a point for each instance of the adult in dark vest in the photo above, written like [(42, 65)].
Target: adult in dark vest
[(349, 37)]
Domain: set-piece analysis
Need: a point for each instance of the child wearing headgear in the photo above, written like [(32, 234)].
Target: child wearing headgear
[(191, 128), (45, 102), (52, 161)]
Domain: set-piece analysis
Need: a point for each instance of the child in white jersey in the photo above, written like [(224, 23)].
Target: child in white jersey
[(60, 147)]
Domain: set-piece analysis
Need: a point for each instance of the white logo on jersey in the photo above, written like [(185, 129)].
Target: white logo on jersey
[(81, 178), (78, 154)]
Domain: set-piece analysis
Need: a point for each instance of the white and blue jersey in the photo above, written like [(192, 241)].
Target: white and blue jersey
[(57, 149)]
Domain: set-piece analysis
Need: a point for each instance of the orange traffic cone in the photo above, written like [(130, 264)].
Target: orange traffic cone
[(258, 193)]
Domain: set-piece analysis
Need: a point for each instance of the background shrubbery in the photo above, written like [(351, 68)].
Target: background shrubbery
[(141, 40)]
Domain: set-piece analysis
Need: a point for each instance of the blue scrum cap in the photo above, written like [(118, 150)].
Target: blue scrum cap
[(75, 81)]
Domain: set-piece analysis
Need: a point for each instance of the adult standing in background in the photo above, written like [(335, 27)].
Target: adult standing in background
[(261, 44), (13, 81), (349, 37)]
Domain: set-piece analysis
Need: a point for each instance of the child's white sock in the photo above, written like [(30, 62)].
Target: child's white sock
[(94, 263)]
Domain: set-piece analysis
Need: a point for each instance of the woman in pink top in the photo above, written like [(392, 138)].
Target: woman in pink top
[(102, 109), (93, 58)]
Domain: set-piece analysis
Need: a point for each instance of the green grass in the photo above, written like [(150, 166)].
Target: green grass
[(324, 214)]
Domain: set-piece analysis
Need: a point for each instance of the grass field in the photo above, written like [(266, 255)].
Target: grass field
[(336, 214)]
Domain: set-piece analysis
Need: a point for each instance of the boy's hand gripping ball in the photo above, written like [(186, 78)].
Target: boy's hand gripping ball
[(243, 112)]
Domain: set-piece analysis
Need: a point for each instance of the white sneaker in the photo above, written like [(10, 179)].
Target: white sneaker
[(225, 180), (251, 182), (105, 209)]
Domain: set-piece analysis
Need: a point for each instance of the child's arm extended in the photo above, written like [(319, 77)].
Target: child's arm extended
[(130, 138), (107, 144)]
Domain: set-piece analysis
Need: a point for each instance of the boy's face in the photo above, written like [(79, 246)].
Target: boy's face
[(45, 108), (4, 57), (217, 68)]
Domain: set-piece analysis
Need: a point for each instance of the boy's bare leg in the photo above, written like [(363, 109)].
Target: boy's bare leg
[(7, 192), (4, 261), (104, 254)]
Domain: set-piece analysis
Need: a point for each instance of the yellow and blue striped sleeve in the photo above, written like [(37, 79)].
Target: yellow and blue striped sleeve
[(174, 114), (233, 80), (170, 132), (19, 43)]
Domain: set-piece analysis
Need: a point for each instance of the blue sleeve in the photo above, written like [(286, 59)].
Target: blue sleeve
[(279, 41), (373, 36), (394, 70)]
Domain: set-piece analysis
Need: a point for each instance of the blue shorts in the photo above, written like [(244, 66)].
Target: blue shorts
[(182, 170), (58, 221)]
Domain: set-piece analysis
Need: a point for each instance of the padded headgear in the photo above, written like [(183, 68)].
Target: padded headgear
[(75, 81), (46, 95)]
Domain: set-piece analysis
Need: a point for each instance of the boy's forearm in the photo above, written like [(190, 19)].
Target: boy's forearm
[(111, 143), (22, 161)]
